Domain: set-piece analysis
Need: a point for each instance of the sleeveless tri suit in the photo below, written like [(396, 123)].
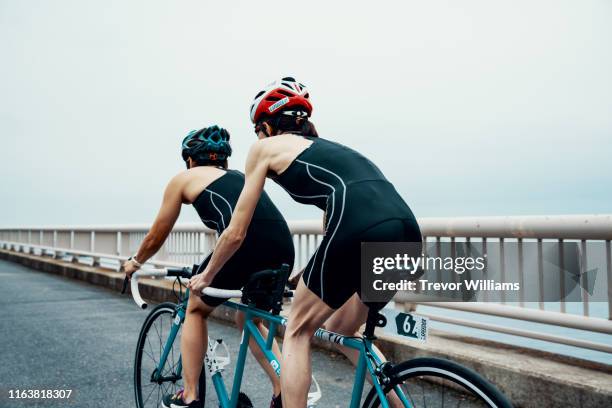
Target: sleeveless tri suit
[(268, 243), (361, 205)]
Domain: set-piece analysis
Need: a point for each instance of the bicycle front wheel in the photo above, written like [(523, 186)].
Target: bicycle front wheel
[(435, 382), (151, 342)]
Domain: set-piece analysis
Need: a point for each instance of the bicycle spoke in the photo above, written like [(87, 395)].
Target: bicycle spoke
[(149, 355), (170, 364), (149, 396), (433, 390), (164, 389), (161, 329), (172, 354), (159, 337), (152, 352), (172, 371), (443, 388), (156, 329), (406, 392)]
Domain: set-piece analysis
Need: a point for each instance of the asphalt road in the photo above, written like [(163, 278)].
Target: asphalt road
[(58, 333)]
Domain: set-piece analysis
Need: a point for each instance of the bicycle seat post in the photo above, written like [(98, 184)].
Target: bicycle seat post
[(374, 320)]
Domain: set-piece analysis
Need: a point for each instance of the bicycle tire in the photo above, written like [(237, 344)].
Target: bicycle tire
[(160, 311), (462, 376)]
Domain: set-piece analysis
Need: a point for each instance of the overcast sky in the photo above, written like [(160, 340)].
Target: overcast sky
[(470, 108)]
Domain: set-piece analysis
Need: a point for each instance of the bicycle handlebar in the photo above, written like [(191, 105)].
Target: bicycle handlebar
[(174, 272)]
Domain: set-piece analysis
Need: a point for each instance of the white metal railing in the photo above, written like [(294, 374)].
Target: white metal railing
[(189, 243)]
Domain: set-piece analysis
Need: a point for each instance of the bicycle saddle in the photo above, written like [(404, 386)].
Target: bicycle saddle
[(265, 289)]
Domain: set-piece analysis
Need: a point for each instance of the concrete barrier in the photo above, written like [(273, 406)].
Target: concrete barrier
[(530, 378)]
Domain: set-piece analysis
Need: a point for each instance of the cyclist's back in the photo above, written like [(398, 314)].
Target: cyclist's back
[(268, 242), (342, 181), (216, 202)]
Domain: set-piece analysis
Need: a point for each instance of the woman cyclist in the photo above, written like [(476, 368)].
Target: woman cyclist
[(213, 191), (360, 206)]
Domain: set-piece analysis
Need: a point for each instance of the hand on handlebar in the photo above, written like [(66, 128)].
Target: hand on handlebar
[(129, 268), (197, 284)]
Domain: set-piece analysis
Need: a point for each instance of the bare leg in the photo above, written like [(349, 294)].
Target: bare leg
[(347, 320), (307, 314), (259, 355), (194, 339), (194, 343)]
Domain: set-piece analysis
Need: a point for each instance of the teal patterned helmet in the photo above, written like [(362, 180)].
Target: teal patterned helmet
[(210, 144)]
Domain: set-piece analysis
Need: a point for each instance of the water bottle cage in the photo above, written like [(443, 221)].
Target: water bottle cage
[(214, 362), (314, 395)]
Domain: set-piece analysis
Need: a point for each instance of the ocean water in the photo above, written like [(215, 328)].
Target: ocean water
[(597, 309)]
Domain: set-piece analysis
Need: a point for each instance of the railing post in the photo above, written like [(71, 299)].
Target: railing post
[(521, 273), (584, 281), (502, 267), (540, 275), (55, 252), (561, 276), (92, 248), (485, 296), (609, 267)]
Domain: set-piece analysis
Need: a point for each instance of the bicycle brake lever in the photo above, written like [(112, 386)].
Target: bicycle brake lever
[(125, 284)]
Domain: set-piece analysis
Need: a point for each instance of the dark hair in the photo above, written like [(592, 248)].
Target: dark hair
[(282, 122), (205, 160)]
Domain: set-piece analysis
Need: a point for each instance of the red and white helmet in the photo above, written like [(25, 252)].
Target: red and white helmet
[(283, 93)]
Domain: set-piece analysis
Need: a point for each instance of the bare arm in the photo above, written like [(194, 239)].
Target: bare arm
[(233, 236), (166, 217)]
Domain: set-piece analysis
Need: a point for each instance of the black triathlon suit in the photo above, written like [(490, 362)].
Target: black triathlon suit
[(268, 243), (361, 206)]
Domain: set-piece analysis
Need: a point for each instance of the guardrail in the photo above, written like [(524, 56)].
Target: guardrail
[(189, 243)]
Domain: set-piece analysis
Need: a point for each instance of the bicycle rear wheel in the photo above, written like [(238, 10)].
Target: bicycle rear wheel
[(153, 336), (435, 382)]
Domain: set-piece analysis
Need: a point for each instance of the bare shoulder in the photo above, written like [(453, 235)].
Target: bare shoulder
[(193, 181), (201, 175), (272, 146), (262, 147), (179, 180), (262, 150), (277, 152)]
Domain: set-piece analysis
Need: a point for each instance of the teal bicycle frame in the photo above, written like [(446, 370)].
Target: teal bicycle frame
[(369, 361)]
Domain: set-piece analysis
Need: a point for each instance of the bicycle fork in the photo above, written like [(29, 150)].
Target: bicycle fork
[(156, 376)]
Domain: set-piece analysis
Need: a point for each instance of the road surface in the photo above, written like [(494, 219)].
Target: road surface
[(58, 333)]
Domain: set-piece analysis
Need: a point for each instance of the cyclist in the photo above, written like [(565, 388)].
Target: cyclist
[(213, 190), (360, 205)]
